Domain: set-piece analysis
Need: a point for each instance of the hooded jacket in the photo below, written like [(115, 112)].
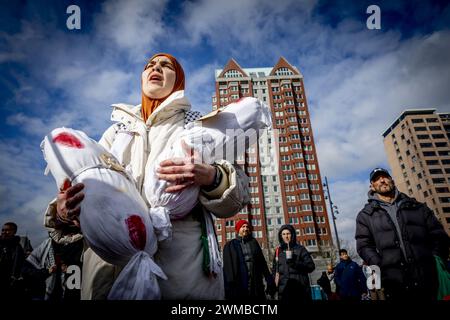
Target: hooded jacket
[(181, 258), (293, 273), (404, 253)]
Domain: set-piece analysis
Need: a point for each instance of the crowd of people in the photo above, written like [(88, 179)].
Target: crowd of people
[(394, 232)]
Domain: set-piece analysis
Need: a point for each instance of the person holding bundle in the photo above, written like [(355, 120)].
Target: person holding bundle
[(133, 148)]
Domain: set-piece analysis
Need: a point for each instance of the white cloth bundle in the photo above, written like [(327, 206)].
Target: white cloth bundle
[(226, 127), (114, 218)]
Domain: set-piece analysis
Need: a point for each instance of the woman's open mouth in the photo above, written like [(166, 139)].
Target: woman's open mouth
[(155, 77)]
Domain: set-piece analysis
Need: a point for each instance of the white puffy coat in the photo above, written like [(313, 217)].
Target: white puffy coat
[(181, 259)]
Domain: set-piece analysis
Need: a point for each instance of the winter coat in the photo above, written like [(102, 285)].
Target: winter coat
[(181, 258), (350, 279), (293, 281), (239, 282), (25, 243), (422, 235), (11, 261), (324, 282)]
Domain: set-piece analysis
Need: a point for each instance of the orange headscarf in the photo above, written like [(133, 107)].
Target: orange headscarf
[(148, 104)]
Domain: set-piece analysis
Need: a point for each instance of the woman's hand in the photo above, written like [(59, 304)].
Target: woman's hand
[(68, 203), (183, 172)]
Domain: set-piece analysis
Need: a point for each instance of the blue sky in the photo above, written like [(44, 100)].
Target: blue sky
[(357, 80)]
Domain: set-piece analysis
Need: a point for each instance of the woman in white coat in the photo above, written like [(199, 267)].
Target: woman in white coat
[(191, 259)]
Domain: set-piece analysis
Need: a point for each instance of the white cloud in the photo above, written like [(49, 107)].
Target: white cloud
[(38, 126), (349, 119), (25, 191), (132, 25), (244, 28), (349, 196), (200, 87)]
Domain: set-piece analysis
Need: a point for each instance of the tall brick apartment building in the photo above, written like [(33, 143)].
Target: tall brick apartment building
[(285, 181), (417, 145)]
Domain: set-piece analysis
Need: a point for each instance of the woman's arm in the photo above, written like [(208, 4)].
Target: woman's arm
[(231, 196)]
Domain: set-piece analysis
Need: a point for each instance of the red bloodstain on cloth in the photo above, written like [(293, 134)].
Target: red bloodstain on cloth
[(68, 140), (137, 232)]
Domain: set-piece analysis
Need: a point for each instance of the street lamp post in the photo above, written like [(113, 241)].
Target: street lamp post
[(333, 208)]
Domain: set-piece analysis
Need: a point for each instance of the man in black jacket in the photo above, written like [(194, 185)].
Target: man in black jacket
[(291, 265), (400, 235), (11, 261), (245, 267)]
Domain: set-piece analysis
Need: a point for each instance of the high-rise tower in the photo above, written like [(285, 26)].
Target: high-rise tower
[(283, 168)]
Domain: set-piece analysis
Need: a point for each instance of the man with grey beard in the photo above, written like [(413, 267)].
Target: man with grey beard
[(401, 236)]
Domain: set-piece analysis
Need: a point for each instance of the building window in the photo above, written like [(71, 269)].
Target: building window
[(306, 207), (233, 74), (429, 154), (229, 223), (292, 209), (283, 72), (304, 196), (435, 171), (426, 145), (318, 209), (301, 175), (444, 199)]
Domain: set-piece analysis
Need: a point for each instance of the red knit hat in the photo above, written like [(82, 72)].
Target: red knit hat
[(240, 223)]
